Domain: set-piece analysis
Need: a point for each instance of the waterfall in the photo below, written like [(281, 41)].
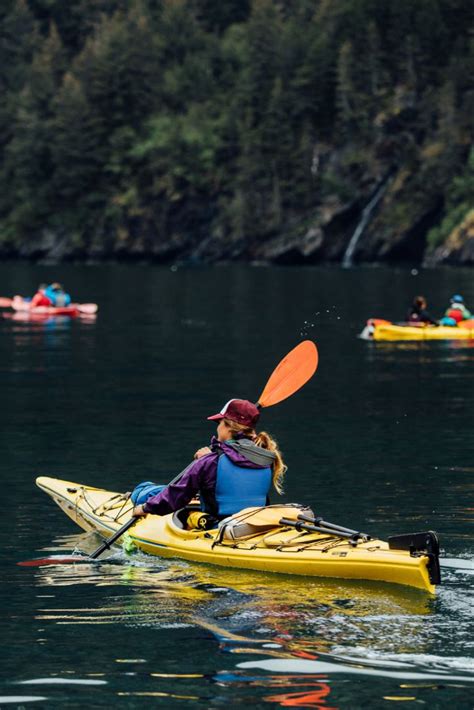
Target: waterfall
[(363, 222)]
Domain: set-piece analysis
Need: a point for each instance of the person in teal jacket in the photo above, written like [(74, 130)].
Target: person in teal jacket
[(57, 295)]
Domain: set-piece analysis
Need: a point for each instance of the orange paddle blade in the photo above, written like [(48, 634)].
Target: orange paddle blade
[(292, 373), (469, 324)]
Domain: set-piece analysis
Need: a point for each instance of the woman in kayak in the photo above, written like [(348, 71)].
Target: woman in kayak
[(236, 471), (418, 312)]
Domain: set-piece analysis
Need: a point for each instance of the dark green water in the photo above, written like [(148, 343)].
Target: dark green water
[(380, 439)]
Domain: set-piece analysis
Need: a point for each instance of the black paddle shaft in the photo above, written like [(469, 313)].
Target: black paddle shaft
[(314, 528), (108, 543), (324, 523), (336, 532)]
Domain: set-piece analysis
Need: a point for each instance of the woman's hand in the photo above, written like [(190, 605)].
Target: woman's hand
[(203, 451), (138, 511)]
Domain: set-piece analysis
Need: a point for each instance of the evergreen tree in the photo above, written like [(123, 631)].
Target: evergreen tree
[(19, 40), (345, 90), (132, 117), (27, 169), (218, 16), (76, 157)]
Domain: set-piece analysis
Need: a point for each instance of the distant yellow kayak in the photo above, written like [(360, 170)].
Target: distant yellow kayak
[(260, 541), (377, 329)]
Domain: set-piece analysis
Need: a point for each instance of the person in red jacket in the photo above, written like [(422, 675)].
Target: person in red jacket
[(457, 309), (40, 298)]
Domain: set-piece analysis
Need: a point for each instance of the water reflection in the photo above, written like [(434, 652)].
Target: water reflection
[(285, 596), (307, 615), (296, 641), (374, 667), (20, 699), (315, 694), (43, 345), (306, 635), (379, 441), (425, 351), (290, 666)]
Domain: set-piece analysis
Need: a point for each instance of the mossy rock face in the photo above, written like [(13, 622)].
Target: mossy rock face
[(459, 246), (460, 236)]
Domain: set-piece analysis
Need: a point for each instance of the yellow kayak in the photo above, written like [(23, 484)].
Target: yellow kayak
[(377, 329), (271, 539)]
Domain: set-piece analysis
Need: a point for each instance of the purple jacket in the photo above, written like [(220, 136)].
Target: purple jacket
[(201, 476)]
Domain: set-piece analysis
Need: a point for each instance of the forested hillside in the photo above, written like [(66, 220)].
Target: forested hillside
[(237, 129)]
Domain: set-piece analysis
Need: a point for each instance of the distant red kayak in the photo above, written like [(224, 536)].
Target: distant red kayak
[(32, 316), (20, 305), (48, 310)]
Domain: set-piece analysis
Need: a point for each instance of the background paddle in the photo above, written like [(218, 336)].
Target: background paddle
[(288, 377), (89, 308)]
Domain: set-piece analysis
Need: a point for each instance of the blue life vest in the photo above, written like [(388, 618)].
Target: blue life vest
[(238, 487), (446, 320), (59, 299)]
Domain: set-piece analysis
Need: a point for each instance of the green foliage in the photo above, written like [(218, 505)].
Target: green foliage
[(138, 118), (180, 153), (459, 203), (27, 169), (332, 184)]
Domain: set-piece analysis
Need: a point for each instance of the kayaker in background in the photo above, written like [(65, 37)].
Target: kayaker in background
[(418, 312), (457, 310), (40, 298), (236, 471), (57, 295)]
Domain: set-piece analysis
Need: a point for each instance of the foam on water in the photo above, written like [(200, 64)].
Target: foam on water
[(10, 699), (62, 681), (292, 665), (427, 661)]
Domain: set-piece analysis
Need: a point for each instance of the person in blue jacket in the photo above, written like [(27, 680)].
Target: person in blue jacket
[(57, 295), (236, 471)]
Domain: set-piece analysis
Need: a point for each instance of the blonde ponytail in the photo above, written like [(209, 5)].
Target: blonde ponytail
[(265, 441)]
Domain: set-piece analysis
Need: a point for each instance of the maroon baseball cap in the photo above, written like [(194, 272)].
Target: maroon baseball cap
[(240, 411)]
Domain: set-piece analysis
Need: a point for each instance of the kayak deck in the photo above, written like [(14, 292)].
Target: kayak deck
[(281, 549)]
